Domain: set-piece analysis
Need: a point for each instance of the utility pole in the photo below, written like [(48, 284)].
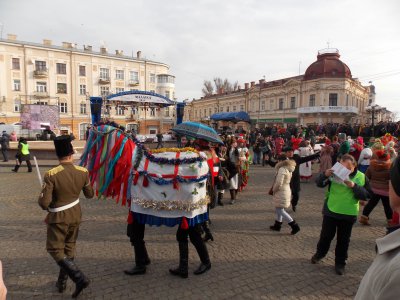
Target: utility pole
[(373, 120)]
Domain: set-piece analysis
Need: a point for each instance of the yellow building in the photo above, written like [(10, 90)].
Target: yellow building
[(326, 92), (66, 76)]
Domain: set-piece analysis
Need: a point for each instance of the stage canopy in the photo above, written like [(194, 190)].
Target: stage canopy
[(141, 97), (231, 116)]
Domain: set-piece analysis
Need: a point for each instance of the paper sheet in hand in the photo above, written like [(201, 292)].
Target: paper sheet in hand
[(341, 172)]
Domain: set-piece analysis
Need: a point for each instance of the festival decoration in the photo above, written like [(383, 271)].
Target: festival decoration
[(162, 186)]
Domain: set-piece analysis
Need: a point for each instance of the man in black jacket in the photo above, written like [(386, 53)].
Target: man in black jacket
[(295, 181)]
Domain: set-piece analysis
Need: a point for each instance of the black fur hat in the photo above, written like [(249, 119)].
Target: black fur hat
[(63, 146)]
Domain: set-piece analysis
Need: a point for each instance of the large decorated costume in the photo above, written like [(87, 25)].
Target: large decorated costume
[(244, 163), (163, 187)]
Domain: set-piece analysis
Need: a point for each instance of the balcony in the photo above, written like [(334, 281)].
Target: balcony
[(327, 109), (40, 95), (41, 73), (133, 82), (104, 80)]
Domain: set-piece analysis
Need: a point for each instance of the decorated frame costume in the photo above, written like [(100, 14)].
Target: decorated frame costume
[(162, 187)]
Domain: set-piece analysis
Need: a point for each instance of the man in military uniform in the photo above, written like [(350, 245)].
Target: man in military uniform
[(60, 197)]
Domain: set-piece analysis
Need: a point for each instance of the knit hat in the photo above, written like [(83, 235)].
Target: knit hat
[(63, 146)]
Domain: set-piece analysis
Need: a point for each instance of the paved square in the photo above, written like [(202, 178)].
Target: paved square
[(248, 260)]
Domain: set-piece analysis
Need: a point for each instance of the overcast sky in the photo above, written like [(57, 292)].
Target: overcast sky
[(239, 40)]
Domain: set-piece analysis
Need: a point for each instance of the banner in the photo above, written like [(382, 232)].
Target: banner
[(36, 117)]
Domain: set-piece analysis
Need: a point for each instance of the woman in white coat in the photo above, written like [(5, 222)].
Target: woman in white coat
[(281, 193)]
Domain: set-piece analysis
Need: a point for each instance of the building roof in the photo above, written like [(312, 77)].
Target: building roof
[(328, 65)]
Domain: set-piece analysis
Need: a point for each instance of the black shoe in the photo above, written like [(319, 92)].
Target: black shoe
[(202, 268), (339, 269), (179, 271), (276, 227), (295, 227), (136, 270), (220, 203), (316, 259), (14, 170)]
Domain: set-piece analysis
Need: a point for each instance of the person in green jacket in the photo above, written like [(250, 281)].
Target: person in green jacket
[(22, 154), (340, 211)]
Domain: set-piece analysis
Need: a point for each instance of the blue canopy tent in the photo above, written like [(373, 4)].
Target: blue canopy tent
[(240, 116)]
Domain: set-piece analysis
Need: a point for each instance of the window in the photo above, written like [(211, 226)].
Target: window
[(82, 71), (280, 103), (63, 108), (61, 68), (167, 94), (82, 108), (119, 90), (152, 78), (15, 64), (227, 109), (104, 73), (205, 112), (234, 108), (119, 74), (271, 105), (40, 65), (333, 99), (241, 107), (17, 85), (82, 89), (369, 101), (221, 109), (17, 105), (41, 87), (167, 112), (134, 76), (120, 110), (210, 111), (61, 88), (41, 103), (312, 100), (215, 109), (104, 90), (262, 105), (292, 102), (152, 111)]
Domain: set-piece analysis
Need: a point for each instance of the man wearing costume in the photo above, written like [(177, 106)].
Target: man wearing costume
[(60, 197)]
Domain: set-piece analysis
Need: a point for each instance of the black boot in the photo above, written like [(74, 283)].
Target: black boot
[(202, 251), (147, 260), (208, 236), (220, 196), (76, 275), (15, 168), (140, 260), (61, 283), (276, 227), (182, 269), (295, 227)]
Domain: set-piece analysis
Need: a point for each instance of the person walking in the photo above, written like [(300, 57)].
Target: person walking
[(257, 153), (340, 211), (60, 197), (159, 140), (281, 193), (378, 174), (5, 145), (233, 166), (305, 169), (23, 154)]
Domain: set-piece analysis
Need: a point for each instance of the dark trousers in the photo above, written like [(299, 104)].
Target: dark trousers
[(4, 152), (28, 163), (342, 229), (135, 232), (295, 197), (160, 145), (374, 201), (194, 234)]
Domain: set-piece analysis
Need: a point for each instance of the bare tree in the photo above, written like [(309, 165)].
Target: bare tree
[(208, 88)]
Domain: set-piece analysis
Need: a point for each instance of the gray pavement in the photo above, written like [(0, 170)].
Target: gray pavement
[(248, 260)]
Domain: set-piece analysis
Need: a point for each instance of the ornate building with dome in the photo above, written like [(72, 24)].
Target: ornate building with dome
[(327, 92)]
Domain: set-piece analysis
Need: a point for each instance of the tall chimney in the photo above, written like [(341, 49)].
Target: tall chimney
[(103, 50), (11, 37), (119, 52), (87, 48), (252, 83), (47, 42), (67, 45), (246, 86), (139, 54)]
